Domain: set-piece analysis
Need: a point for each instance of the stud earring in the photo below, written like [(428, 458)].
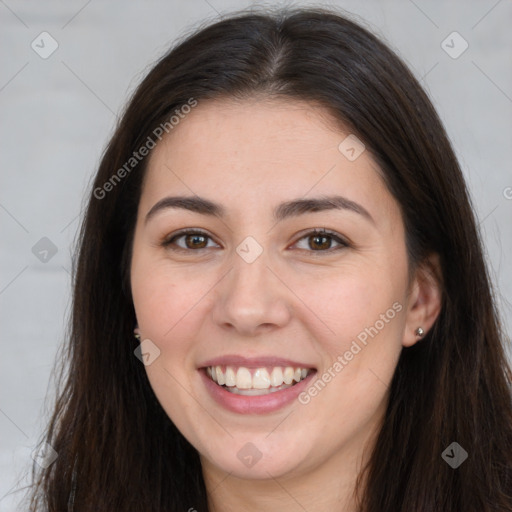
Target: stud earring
[(419, 332), (136, 333)]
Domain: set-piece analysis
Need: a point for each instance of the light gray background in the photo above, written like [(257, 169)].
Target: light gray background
[(58, 113)]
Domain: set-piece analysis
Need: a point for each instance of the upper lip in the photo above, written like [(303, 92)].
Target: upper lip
[(253, 362)]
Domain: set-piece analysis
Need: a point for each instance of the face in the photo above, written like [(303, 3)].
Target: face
[(255, 293)]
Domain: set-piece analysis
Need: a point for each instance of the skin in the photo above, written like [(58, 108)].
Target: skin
[(293, 301)]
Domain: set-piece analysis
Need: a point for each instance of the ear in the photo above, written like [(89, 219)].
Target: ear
[(425, 299)]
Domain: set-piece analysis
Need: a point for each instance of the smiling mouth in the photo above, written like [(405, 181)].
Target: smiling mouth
[(256, 381)]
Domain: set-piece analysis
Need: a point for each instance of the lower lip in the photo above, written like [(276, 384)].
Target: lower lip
[(254, 404)]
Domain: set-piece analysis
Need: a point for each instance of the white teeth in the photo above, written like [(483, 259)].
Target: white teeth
[(259, 379), (243, 378), (230, 376), (288, 375), (220, 376), (276, 378)]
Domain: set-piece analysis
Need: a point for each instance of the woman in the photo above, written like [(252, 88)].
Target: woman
[(280, 298)]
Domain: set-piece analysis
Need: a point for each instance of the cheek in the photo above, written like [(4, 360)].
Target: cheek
[(165, 298), (362, 324), (352, 299), (168, 305)]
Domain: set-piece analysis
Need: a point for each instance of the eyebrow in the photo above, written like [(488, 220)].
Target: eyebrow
[(282, 211)]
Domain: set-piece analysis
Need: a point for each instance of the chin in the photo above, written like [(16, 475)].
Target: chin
[(256, 460)]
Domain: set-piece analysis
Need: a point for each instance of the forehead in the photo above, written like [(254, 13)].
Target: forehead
[(260, 152)]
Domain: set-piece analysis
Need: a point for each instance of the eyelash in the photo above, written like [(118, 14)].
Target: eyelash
[(168, 242)]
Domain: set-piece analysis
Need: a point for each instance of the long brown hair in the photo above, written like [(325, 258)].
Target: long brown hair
[(118, 450)]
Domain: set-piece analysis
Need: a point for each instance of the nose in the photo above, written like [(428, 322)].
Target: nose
[(252, 298)]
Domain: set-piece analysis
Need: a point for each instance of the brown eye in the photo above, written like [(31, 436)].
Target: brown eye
[(193, 240), (321, 241)]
